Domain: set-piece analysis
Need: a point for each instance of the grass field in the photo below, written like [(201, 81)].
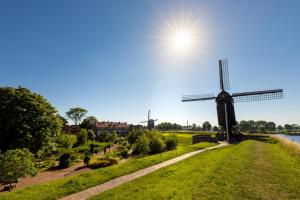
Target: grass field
[(63, 187), (248, 170)]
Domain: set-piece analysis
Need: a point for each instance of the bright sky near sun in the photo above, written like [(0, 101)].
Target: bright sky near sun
[(118, 59)]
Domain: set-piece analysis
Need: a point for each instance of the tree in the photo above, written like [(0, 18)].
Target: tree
[(66, 141), (15, 164), (194, 126), (206, 126), (288, 127), (280, 128), (168, 126), (88, 122), (76, 114), (215, 128), (64, 120), (27, 120), (82, 137)]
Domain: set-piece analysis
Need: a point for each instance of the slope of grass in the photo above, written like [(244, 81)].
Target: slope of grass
[(69, 185), (249, 170)]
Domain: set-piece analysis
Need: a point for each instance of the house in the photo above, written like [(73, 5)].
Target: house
[(121, 128)]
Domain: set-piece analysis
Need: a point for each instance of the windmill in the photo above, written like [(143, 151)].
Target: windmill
[(150, 122), (225, 102)]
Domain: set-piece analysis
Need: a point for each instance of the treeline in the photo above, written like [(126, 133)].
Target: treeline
[(243, 126), (165, 126), (264, 126)]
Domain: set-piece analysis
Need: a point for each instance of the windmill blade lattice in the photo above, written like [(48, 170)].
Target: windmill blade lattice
[(224, 75), (258, 95), (199, 97)]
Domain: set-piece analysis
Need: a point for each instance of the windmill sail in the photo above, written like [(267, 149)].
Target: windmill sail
[(257, 95), (199, 97), (224, 75)]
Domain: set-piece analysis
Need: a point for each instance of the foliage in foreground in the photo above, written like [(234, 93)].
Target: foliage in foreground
[(27, 120), (15, 164), (59, 188)]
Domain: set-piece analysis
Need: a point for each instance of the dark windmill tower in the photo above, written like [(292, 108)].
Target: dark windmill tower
[(150, 122), (225, 102)]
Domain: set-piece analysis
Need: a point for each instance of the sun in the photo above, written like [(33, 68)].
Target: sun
[(181, 39)]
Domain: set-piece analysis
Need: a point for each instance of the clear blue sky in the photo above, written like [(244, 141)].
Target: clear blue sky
[(103, 56)]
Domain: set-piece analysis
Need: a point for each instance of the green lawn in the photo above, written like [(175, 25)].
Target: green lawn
[(69, 185), (248, 170)]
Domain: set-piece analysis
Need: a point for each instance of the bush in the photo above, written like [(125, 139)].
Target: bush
[(82, 137), (104, 162), (124, 153), (66, 141), (87, 158), (157, 144), (65, 160), (171, 142), (91, 134), (141, 145), (15, 164), (134, 134)]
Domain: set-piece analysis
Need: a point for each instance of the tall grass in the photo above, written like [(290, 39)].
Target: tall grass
[(292, 147)]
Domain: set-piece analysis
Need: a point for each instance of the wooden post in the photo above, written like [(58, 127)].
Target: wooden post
[(226, 119)]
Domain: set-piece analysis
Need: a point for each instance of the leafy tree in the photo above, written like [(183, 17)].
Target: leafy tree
[(82, 137), (87, 158), (169, 126), (15, 164), (65, 160), (215, 128), (194, 126), (280, 128), (288, 127), (27, 120), (206, 126), (171, 142), (88, 122), (141, 145), (66, 141), (91, 134), (64, 120), (157, 144), (76, 114)]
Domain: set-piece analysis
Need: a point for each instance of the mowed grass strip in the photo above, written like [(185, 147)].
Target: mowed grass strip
[(248, 170), (63, 187)]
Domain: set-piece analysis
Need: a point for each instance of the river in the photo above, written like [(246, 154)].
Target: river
[(295, 138)]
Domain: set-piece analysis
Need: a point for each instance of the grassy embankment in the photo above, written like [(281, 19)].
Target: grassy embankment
[(69, 185), (249, 170)]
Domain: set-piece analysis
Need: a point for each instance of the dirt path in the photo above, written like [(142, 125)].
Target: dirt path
[(124, 179), (50, 175)]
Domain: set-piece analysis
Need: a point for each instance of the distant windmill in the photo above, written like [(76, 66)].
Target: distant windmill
[(225, 102), (150, 122)]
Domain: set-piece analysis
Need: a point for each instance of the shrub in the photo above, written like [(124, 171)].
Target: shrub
[(171, 142), (104, 162), (124, 153), (15, 164), (82, 137), (134, 134), (87, 158), (141, 145), (91, 134), (157, 144), (66, 140), (65, 160)]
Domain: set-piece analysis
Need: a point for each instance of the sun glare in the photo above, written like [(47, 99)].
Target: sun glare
[(181, 39)]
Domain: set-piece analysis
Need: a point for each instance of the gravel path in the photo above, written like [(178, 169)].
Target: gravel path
[(124, 179)]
